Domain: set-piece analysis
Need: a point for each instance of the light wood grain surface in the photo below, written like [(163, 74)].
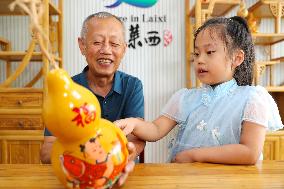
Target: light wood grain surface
[(266, 174)]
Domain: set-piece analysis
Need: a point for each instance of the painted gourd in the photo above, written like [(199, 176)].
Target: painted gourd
[(90, 152)]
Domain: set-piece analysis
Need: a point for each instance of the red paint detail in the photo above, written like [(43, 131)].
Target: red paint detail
[(84, 115)]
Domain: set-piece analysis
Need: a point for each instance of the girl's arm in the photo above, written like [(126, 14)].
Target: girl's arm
[(247, 152), (149, 131)]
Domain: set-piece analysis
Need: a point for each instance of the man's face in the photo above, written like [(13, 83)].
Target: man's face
[(104, 46)]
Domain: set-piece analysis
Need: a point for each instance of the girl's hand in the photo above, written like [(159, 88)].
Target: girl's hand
[(126, 125), (184, 157)]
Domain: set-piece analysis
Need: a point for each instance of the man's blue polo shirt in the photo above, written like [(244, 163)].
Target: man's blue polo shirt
[(124, 100)]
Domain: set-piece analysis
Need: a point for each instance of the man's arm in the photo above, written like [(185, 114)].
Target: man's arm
[(45, 151)]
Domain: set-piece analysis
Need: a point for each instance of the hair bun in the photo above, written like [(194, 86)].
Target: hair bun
[(242, 21)]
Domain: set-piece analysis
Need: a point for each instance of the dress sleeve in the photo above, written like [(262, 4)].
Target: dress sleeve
[(173, 108), (262, 109)]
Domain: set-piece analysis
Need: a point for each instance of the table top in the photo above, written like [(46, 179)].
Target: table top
[(265, 174)]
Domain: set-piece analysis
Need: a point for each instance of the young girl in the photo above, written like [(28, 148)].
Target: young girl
[(224, 121)]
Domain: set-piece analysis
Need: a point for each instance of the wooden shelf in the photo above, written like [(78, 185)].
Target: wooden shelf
[(4, 9), (267, 63), (221, 7), (21, 133), (267, 38), (22, 90), (281, 59), (16, 56), (261, 9), (4, 40), (13, 111), (29, 135), (53, 10), (277, 133), (275, 88), (21, 107)]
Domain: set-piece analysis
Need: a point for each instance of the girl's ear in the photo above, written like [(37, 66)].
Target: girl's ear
[(239, 58)]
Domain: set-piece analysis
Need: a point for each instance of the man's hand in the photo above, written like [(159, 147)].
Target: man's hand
[(45, 151), (130, 164)]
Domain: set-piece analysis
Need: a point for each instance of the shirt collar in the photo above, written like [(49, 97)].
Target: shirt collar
[(221, 88), (209, 94), (117, 83)]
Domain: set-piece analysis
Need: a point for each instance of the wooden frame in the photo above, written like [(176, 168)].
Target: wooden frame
[(21, 123), (25, 57)]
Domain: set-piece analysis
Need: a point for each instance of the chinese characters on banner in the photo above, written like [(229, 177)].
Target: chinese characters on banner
[(153, 38)]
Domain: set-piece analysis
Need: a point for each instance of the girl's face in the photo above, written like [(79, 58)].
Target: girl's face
[(211, 60)]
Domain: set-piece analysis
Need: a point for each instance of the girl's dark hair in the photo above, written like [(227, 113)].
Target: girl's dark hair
[(235, 33)]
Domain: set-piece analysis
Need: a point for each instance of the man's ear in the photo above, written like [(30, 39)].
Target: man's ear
[(239, 57), (82, 46), (124, 48)]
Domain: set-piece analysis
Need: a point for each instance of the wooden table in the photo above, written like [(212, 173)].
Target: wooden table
[(266, 174)]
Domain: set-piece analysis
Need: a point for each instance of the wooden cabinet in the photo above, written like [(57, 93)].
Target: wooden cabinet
[(21, 109), (20, 146), (269, 9), (21, 123), (274, 146), (21, 98)]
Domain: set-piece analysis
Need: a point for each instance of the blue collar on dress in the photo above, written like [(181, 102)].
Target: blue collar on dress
[(209, 94)]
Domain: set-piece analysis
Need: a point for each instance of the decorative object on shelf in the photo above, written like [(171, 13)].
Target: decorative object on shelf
[(34, 8), (253, 22), (53, 35), (243, 11), (90, 152), (4, 44), (259, 70), (277, 9)]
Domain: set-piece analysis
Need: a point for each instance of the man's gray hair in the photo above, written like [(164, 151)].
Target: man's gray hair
[(84, 29)]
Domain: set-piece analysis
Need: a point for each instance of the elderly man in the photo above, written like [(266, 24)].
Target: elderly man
[(102, 42)]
